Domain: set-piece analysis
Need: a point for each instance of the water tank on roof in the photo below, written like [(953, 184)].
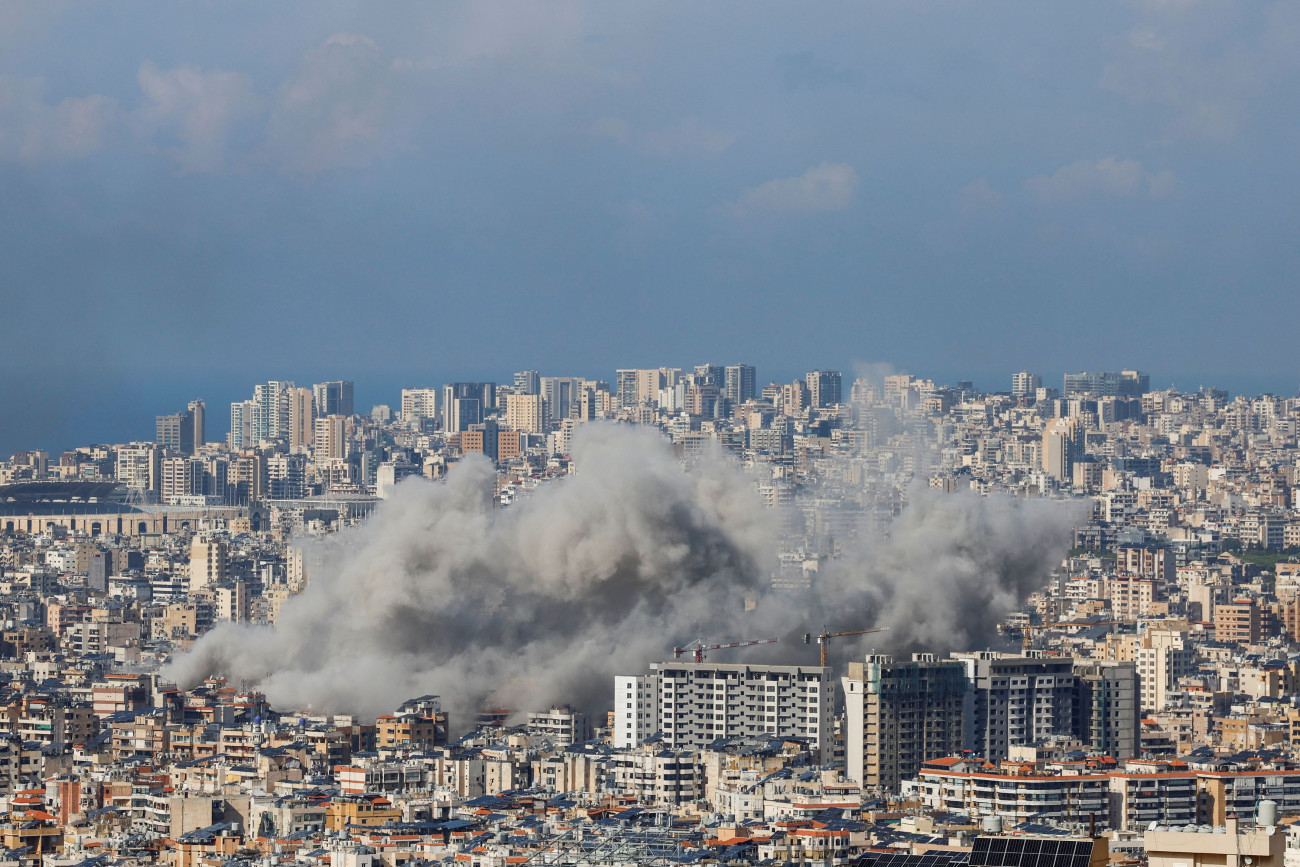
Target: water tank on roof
[(1266, 814), (992, 824)]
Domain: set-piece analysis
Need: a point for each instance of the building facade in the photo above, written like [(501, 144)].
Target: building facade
[(900, 715), (1016, 700), (693, 704)]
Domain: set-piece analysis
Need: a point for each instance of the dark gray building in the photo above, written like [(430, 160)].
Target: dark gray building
[(98, 568)]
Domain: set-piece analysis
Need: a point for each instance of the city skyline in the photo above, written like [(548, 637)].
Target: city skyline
[(114, 417), (954, 189)]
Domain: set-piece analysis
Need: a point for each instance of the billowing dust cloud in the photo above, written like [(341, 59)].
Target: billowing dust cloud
[(603, 572)]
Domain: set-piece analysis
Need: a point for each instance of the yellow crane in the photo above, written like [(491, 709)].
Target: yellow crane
[(824, 638)]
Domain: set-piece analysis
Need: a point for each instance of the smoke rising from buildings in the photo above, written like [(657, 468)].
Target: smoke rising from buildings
[(601, 573), (951, 567)]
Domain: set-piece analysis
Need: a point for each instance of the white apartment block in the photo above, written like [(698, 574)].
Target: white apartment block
[(139, 465), (636, 709), (419, 403), (661, 778), (561, 725), (1015, 797), (1163, 657), (693, 704)]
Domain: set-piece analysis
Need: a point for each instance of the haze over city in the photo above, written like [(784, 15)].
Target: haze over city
[(206, 195)]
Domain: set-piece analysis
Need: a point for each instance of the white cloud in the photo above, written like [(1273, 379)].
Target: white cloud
[(492, 31), (337, 110), (1204, 72), (33, 130), (1108, 177), (826, 187), (200, 109), (73, 129)]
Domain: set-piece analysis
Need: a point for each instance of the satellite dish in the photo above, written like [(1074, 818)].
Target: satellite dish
[(1153, 826)]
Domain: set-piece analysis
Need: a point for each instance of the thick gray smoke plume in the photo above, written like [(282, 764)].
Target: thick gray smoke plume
[(951, 567), (602, 573), (541, 602)]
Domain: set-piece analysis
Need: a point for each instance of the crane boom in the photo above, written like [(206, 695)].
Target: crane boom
[(698, 648), (826, 635), (858, 631)]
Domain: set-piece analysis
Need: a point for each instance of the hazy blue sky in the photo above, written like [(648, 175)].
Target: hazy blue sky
[(196, 196)]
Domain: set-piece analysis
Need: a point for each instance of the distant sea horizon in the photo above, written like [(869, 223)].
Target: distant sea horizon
[(63, 415)]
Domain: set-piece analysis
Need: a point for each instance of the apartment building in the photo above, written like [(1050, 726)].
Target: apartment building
[(1163, 656), (560, 725), (695, 703), (1106, 707), (1146, 792), (1016, 700), (1017, 792), (1238, 622), (899, 715), (656, 776)]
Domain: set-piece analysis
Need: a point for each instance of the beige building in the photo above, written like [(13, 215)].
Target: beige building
[(209, 559), (412, 730), (331, 440), (181, 477), (1241, 845), (794, 398), (1060, 442), (1151, 563), (139, 466), (302, 418), (525, 412), (230, 602), (648, 385), (1162, 656), (1238, 622)]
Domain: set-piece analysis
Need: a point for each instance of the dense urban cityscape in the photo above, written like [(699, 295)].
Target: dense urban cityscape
[(369, 496), (1077, 635)]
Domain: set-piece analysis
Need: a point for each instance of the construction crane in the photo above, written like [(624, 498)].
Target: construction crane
[(826, 636), (1027, 631), (698, 648)]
